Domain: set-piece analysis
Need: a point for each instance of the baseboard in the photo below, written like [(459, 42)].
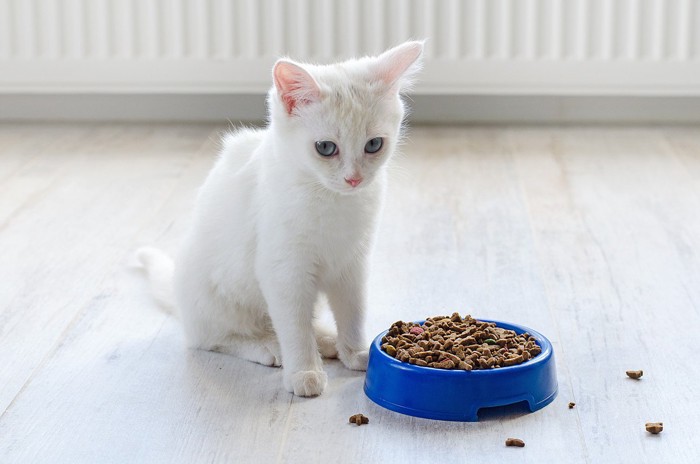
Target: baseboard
[(442, 109)]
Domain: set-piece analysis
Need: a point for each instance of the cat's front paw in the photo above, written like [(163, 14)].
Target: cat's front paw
[(272, 354), (326, 346), (355, 359), (326, 339), (306, 383)]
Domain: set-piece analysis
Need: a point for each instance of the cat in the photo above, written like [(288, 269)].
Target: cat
[(289, 212)]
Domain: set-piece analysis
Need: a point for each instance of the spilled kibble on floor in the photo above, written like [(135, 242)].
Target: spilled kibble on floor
[(515, 442), (359, 419), (571, 405), (450, 342), (654, 427), (634, 374)]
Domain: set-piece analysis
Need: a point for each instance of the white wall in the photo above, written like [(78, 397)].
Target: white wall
[(572, 47), (557, 48)]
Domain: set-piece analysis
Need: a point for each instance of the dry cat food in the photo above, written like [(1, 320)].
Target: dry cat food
[(634, 374), (359, 419), (515, 442), (654, 427), (571, 405), (450, 342)]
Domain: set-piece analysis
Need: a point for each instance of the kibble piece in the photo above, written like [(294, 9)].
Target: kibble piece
[(445, 364), (634, 374), (359, 419), (654, 427), (390, 350), (464, 365), (515, 442), (512, 361), (571, 405), (417, 330)]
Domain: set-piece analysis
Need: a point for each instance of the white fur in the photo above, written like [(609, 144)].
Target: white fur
[(276, 224)]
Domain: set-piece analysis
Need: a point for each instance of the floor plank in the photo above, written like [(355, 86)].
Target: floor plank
[(59, 246), (607, 207), (588, 235)]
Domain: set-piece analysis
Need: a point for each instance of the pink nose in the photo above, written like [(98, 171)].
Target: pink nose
[(354, 181)]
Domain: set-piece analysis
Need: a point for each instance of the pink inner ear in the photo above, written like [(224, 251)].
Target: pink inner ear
[(394, 63), (294, 85)]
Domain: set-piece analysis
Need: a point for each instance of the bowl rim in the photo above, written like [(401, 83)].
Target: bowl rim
[(532, 363)]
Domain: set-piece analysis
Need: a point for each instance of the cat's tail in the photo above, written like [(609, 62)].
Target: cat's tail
[(159, 268)]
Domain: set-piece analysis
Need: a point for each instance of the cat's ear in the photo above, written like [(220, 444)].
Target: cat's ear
[(396, 67), (295, 86)]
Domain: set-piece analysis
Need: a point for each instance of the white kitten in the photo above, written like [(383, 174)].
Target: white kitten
[(288, 212)]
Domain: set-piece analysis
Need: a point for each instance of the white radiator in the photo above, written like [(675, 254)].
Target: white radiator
[(575, 47)]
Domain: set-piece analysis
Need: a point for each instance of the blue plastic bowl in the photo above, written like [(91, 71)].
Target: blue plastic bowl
[(457, 395)]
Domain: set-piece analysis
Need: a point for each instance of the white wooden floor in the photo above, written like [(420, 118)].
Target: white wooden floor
[(589, 235)]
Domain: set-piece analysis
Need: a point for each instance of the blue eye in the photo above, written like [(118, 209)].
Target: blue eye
[(326, 148), (374, 145)]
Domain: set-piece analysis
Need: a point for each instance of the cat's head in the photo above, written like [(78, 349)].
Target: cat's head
[(341, 122)]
